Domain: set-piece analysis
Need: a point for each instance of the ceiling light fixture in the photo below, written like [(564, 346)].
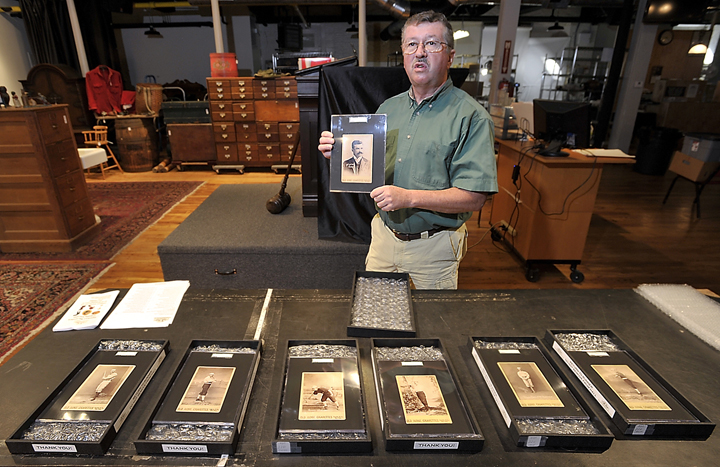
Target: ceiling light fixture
[(153, 33), (460, 34)]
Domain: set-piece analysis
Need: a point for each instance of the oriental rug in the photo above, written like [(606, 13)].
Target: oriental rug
[(32, 295), (125, 209)]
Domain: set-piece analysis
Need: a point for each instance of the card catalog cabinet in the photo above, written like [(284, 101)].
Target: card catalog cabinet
[(44, 203), (255, 120)]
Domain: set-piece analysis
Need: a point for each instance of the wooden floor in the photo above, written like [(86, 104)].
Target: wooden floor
[(633, 238)]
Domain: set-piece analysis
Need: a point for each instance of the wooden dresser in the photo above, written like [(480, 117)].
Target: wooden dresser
[(44, 203), (255, 121)]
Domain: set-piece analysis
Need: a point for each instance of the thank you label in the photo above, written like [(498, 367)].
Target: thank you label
[(436, 444), (201, 448), (54, 448)]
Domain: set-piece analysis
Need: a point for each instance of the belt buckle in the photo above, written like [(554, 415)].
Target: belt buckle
[(425, 234)]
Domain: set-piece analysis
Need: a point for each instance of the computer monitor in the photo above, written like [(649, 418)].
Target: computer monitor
[(561, 124)]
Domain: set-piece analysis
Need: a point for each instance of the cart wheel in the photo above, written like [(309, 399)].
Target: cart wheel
[(532, 275), (495, 235), (576, 276)]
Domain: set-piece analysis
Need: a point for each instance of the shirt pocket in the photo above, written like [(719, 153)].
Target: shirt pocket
[(430, 168)]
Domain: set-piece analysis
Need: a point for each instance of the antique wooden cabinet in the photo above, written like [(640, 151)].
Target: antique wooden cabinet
[(44, 203), (191, 143), (255, 121)]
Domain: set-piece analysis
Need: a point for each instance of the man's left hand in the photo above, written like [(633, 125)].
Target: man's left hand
[(391, 197)]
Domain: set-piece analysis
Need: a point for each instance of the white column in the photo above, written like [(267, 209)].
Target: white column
[(631, 88), (79, 44), (504, 45), (217, 26), (362, 33)]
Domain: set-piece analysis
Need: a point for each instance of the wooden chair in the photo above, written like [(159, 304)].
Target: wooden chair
[(97, 137)]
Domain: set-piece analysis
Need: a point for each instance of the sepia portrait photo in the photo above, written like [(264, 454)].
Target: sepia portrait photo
[(529, 385), (422, 400), (98, 389), (630, 388), (206, 391), (322, 396), (357, 151)]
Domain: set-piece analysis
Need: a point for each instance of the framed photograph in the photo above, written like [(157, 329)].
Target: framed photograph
[(207, 390), (529, 385), (357, 163), (630, 388), (422, 400), (99, 389), (322, 396)]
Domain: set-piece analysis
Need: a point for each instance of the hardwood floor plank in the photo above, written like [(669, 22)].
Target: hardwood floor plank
[(633, 238)]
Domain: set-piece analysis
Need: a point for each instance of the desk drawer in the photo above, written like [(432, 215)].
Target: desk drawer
[(226, 152), (71, 188), (63, 158)]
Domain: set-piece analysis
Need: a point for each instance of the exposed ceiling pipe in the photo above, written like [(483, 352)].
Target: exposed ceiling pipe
[(403, 10), (305, 24)]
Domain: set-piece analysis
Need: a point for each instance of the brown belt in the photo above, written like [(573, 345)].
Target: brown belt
[(427, 234)]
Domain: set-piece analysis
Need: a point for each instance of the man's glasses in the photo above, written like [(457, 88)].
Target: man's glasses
[(430, 46)]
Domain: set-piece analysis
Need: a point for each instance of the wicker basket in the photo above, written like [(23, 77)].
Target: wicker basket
[(148, 98)]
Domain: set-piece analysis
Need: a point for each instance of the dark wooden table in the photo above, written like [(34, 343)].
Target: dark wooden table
[(687, 363)]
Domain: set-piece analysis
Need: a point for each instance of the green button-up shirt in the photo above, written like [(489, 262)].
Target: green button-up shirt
[(445, 141)]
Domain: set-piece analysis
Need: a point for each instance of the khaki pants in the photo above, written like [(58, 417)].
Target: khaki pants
[(432, 263)]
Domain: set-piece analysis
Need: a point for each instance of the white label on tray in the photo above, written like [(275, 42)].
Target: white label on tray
[(184, 448), (323, 360), (221, 355), (533, 442), (361, 119), (282, 447), (412, 363), (596, 353), (54, 448), (508, 351), (436, 445), (125, 354), (639, 430)]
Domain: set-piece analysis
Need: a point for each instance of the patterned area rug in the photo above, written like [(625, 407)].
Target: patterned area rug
[(126, 210), (31, 294)]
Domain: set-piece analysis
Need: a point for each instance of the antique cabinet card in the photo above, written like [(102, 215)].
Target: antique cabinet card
[(357, 163), (630, 388), (321, 395), (529, 385), (207, 389), (99, 389)]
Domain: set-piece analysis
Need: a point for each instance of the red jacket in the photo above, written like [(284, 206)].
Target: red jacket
[(104, 90)]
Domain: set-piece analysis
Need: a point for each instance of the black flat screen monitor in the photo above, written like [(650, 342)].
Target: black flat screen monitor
[(675, 11), (562, 124)]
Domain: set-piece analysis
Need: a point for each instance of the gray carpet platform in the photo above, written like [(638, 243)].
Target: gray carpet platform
[(232, 242)]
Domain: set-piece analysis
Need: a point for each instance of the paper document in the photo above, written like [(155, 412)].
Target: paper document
[(87, 312), (599, 152), (148, 306)]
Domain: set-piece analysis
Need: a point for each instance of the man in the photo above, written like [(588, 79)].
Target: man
[(439, 163), (107, 378), (357, 165), (207, 382), (526, 379), (327, 394)]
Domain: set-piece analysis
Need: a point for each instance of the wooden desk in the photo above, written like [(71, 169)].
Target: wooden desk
[(545, 215)]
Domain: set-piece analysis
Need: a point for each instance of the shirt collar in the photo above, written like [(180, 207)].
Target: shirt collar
[(441, 90)]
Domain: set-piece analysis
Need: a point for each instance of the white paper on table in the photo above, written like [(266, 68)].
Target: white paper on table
[(152, 305), (599, 152), (87, 312)]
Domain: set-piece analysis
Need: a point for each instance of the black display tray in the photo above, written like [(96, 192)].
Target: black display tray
[(447, 424), (551, 396), (227, 398), (359, 331), (659, 411), (103, 387), (293, 433)]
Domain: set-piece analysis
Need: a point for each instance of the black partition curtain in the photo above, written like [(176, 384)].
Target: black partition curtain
[(354, 90), (49, 32)]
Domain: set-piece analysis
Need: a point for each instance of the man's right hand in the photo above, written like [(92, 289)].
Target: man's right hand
[(326, 144)]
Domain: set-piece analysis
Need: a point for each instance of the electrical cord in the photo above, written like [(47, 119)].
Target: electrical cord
[(562, 211)]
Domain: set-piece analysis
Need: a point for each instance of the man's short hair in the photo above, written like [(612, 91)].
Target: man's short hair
[(355, 143), (431, 17)]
